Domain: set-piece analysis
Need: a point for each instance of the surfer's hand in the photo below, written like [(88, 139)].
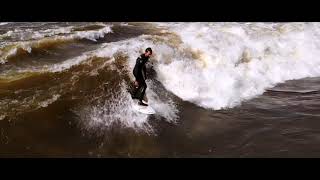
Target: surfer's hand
[(136, 83)]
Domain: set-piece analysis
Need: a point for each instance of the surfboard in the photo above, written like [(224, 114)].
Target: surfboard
[(143, 109)]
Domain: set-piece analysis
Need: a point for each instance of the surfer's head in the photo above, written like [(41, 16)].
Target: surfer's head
[(148, 52)]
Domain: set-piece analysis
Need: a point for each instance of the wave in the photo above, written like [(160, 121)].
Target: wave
[(4, 23), (220, 65), (31, 34), (19, 48), (213, 65), (15, 76), (28, 90), (236, 61), (49, 101)]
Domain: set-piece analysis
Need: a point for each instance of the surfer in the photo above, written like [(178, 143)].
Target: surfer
[(140, 75)]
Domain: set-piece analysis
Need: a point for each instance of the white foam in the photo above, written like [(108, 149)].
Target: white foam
[(92, 35), (49, 101), (217, 79), (115, 109), (124, 24), (52, 32), (5, 55), (30, 34), (4, 23), (67, 64), (119, 108), (2, 117)]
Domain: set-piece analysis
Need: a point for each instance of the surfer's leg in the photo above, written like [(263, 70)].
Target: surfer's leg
[(134, 92), (143, 85), (136, 86)]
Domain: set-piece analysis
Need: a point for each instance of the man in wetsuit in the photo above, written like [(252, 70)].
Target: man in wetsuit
[(139, 73)]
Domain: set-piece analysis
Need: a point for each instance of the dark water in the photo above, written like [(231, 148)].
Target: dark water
[(282, 122), (276, 124)]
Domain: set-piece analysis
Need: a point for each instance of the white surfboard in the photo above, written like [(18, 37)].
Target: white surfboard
[(143, 109)]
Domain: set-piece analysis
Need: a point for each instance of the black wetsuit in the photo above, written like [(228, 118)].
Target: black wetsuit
[(140, 74)]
